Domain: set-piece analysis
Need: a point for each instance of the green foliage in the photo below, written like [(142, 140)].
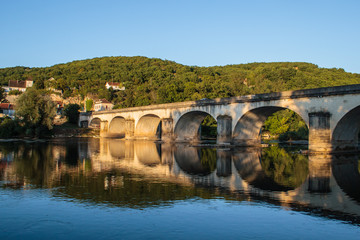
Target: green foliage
[(286, 125), (151, 81), (287, 169), (36, 110), (9, 128), (2, 94), (209, 127), (71, 111), (15, 92), (88, 105)]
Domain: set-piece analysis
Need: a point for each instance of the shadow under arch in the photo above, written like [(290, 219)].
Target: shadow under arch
[(95, 123), (189, 159), (148, 127), (188, 128), (248, 165), (148, 153), (247, 131), (345, 169), (345, 134), (117, 127)]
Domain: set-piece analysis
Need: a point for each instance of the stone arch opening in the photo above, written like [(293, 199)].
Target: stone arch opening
[(286, 125), (117, 127), (148, 127), (95, 123), (189, 127), (346, 133)]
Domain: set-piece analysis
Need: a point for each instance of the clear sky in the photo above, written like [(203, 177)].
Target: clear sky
[(193, 32)]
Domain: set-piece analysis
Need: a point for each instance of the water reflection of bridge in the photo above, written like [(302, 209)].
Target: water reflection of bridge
[(332, 182), (325, 182)]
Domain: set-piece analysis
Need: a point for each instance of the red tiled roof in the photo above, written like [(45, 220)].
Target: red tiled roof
[(16, 83), (102, 101), (6, 106)]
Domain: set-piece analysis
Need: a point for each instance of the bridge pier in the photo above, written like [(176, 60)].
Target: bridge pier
[(129, 128), (104, 128), (224, 131), (167, 129), (319, 132)]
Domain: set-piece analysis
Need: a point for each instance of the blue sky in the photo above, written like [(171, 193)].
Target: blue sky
[(197, 32)]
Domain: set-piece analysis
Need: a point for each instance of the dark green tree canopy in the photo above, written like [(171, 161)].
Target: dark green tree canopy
[(35, 109), (71, 111), (152, 81)]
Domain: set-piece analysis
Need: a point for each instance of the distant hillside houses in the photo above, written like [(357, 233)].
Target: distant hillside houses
[(103, 105), (18, 85), (7, 110), (115, 86)]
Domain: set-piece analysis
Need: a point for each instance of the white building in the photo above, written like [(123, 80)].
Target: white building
[(18, 85), (103, 105), (115, 86)]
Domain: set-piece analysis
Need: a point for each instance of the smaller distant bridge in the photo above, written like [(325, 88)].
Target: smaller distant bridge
[(332, 115)]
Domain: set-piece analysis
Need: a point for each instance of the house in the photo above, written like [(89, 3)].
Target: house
[(114, 86), (7, 110), (103, 105), (18, 85)]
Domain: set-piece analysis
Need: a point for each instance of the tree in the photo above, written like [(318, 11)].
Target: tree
[(35, 109), (88, 105), (2, 94), (71, 111)]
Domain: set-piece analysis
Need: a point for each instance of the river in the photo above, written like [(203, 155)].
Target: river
[(108, 188)]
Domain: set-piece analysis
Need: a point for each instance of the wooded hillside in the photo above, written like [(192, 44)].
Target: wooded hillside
[(151, 81)]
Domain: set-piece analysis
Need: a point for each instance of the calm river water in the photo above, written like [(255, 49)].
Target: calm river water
[(107, 189)]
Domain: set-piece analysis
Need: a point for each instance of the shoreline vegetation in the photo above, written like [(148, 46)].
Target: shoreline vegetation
[(146, 81)]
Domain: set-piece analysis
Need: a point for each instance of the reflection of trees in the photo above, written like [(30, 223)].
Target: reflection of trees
[(287, 169), (125, 190), (35, 163), (195, 161), (345, 169), (208, 158)]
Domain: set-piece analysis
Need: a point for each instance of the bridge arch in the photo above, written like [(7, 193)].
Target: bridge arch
[(247, 130), (95, 123), (148, 127), (346, 131), (187, 127), (117, 127)]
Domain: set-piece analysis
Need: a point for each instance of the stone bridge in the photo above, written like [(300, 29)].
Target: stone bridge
[(331, 114)]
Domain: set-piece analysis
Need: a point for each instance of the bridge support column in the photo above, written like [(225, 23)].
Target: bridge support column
[(319, 173), (224, 129), (223, 163), (167, 129), (319, 132), (104, 128), (129, 128)]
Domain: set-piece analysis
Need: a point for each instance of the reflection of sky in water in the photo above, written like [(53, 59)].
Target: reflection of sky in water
[(194, 218), (138, 189)]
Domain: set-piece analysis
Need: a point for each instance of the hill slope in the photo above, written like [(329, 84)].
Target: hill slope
[(150, 81)]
